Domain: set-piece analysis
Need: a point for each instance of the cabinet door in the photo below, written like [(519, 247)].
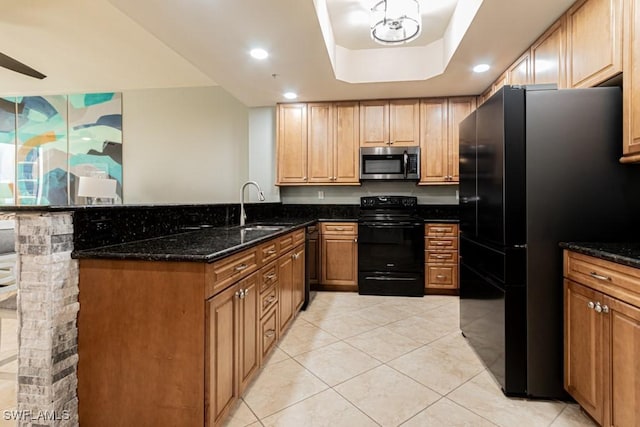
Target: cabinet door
[(298, 277), (631, 87), (346, 148), (320, 143), (584, 348), (374, 123), (520, 72), (292, 143), (220, 366), (313, 255), (625, 368), (594, 42), (404, 122), (248, 357), (459, 109), (285, 299), (548, 56), (503, 80), (434, 141), (339, 254)]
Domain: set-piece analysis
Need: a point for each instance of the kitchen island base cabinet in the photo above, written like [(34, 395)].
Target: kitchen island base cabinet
[(164, 344), (602, 337), (141, 340)]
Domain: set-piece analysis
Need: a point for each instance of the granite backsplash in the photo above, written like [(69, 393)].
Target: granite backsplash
[(98, 226)]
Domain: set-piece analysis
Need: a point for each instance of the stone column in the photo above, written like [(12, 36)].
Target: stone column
[(47, 320)]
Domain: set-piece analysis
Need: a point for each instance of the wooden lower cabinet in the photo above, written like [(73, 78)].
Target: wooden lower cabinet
[(161, 343), (291, 276), (602, 337), (441, 257), (584, 353), (339, 256)]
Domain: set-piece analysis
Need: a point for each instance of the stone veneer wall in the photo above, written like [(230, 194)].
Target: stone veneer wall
[(47, 320)]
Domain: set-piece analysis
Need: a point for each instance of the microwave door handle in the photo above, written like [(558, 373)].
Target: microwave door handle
[(406, 164)]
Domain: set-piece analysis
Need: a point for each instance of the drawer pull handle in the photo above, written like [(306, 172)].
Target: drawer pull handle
[(270, 333), (271, 251), (269, 300), (441, 256), (240, 267), (339, 229), (270, 276), (599, 276), (440, 276)]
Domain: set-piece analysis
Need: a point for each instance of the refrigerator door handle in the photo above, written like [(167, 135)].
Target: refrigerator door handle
[(520, 246)]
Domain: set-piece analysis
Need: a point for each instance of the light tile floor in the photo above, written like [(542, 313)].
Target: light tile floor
[(353, 360)]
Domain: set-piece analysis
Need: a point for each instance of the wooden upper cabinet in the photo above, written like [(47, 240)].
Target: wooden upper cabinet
[(292, 143), (346, 147), (320, 142), (548, 55), (631, 87), (434, 147), (374, 123), (594, 42), (404, 122), (503, 80), (459, 109), (520, 71), (386, 123)]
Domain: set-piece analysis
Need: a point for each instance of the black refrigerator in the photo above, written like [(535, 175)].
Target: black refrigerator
[(537, 166)]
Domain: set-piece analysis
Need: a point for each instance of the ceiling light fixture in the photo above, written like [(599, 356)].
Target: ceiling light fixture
[(481, 68), (290, 95), (259, 53), (395, 21)]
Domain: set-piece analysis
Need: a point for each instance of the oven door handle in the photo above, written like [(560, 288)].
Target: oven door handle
[(388, 279), (391, 224)]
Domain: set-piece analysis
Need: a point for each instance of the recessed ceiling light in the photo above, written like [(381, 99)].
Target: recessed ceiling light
[(259, 53), (290, 95), (481, 68), (86, 138)]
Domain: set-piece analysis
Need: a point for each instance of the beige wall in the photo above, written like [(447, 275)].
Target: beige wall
[(184, 145)]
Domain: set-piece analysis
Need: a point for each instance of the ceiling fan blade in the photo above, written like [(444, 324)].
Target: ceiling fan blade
[(11, 64)]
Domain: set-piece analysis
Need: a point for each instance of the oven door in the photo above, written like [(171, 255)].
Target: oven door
[(391, 246)]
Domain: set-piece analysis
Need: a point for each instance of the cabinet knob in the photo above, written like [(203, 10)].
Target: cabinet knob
[(241, 293), (355, 240), (270, 333), (590, 304), (304, 178), (598, 308), (605, 308)]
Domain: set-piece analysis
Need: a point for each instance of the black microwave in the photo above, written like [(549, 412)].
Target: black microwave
[(390, 163)]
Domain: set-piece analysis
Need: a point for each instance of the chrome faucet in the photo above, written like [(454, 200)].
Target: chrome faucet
[(243, 215)]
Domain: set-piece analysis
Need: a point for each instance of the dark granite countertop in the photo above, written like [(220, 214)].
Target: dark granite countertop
[(201, 245), (622, 253)]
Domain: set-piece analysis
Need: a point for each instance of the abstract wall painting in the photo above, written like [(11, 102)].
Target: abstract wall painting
[(7, 151), (95, 140), (41, 159), (48, 142)]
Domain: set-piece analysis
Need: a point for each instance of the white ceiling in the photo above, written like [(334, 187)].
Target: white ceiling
[(82, 45)]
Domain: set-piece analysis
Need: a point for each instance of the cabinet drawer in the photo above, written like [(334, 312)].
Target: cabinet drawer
[(268, 251), (441, 257), (350, 228), (268, 276), (617, 280), (442, 276), (268, 332), (441, 230), (268, 299), (290, 241), (441, 243), (220, 274)]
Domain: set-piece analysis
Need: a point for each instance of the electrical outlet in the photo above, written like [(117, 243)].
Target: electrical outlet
[(321, 195)]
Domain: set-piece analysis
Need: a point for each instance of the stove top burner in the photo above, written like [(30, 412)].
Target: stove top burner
[(388, 208)]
